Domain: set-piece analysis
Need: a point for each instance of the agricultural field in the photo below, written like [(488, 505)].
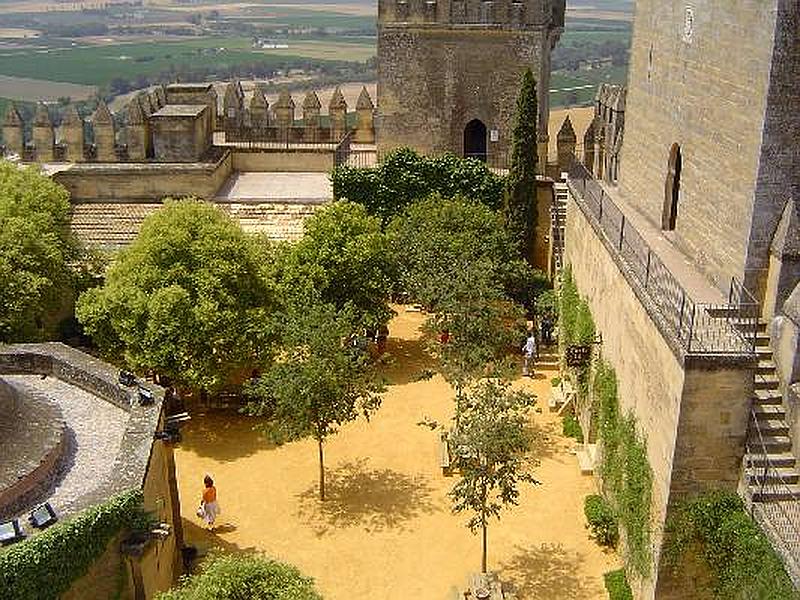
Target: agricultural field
[(52, 50)]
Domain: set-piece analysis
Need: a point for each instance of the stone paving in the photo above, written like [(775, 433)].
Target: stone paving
[(96, 428), (307, 188)]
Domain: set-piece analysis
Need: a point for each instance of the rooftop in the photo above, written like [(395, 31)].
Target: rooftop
[(75, 436), (180, 110)]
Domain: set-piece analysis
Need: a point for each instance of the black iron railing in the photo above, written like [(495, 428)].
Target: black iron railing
[(773, 502), (699, 328), (348, 155)]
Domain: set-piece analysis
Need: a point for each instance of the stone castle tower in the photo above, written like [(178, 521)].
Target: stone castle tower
[(711, 128), (449, 72)]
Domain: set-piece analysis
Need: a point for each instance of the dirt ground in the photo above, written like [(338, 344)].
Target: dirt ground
[(386, 531)]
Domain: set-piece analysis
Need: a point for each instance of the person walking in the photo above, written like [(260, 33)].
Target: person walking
[(209, 507), (531, 350)]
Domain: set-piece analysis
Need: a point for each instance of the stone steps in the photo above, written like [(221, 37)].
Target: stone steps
[(767, 396), (777, 494), (778, 460), (787, 475)]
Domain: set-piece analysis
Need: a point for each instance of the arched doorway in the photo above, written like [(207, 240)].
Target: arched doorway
[(475, 140), (672, 189)]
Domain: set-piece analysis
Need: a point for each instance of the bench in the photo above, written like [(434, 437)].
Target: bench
[(560, 395)]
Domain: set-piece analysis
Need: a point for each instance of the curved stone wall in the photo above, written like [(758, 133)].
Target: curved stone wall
[(33, 443)]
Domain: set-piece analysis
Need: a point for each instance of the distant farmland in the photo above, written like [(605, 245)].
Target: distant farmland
[(19, 88)]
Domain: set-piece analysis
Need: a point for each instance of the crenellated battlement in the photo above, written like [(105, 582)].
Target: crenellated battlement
[(505, 14), (183, 123)]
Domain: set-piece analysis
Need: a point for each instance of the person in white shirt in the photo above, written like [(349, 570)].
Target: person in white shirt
[(531, 351)]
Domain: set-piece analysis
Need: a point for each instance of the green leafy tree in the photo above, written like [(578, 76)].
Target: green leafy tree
[(432, 238), (36, 251), (482, 327), (404, 177), (320, 380), (345, 257), (244, 576), (492, 441), (188, 299), (520, 194)]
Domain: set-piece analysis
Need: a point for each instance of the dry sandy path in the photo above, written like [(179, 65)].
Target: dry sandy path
[(386, 531)]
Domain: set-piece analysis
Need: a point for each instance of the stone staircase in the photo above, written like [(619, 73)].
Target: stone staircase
[(772, 471), (771, 478)]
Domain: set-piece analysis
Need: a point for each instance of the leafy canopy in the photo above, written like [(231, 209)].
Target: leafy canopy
[(520, 192), (240, 576), (319, 381), (405, 176), (187, 299), (344, 257), (434, 239), (492, 441), (36, 251)]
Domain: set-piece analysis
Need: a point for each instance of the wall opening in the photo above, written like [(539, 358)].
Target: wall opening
[(672, 189), (475, 140)]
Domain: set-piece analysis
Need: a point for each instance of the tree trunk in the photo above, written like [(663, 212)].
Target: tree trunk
[(485, 550), (321, 471)]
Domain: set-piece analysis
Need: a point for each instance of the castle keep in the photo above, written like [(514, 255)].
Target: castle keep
[(449, 72)]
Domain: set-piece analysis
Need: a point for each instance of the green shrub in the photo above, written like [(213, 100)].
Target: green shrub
[(44, 566), (555, 381), (570, 427), (602, 520), (404, 176), (244, 576), (617, 585), (740, 558)]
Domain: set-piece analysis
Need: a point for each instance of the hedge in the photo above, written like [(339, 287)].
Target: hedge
[(44, 566)]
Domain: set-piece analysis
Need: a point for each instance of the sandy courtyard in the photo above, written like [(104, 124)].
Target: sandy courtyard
[(386, 531)]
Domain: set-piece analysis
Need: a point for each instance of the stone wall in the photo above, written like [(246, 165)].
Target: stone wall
[(145, 181), (704, 87), (691, 410), (650, 378), (287, 160), (432, 81)]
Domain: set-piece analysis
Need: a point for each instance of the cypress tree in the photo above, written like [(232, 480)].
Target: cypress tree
[(520, 192)]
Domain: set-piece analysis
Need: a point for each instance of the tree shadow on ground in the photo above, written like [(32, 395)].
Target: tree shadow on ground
[(224, 435), (547, 441), (405, 361), (372, 499), (547, 571)]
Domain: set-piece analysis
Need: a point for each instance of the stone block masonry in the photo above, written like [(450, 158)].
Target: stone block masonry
[(691, 410), (719, 79)]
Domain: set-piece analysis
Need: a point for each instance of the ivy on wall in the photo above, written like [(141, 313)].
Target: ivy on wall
[(44, 566), (625, 470), (716, 528)]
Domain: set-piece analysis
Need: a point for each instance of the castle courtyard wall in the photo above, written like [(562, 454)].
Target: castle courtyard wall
[(691, 410), (144, 181), (707, 92), (649, 376), (287, 161)]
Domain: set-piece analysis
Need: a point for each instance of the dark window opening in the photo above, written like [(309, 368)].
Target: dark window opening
[(672, 189)]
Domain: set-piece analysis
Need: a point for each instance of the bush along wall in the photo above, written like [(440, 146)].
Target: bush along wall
[(715, 528), (44, 566), (624, 468)]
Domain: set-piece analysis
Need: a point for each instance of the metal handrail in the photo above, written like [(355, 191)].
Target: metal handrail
[(699, 328), (780, 519)]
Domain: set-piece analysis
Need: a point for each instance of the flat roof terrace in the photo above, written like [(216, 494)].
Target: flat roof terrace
[(172, 111)]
